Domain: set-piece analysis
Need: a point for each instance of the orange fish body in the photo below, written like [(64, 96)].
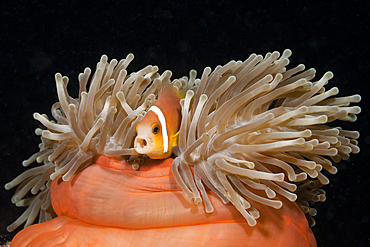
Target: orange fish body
[(157, 132)]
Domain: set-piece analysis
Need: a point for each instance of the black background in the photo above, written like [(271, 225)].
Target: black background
[(38, 40)]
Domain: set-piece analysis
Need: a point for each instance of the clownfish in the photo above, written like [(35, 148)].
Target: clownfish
[(158, 131)]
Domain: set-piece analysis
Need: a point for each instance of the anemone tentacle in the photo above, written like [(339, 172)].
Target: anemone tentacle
[(247, 126)]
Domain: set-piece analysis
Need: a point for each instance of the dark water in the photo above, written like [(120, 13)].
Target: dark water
[(39, 40)]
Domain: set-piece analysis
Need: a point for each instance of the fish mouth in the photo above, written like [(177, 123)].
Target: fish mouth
[(143, 145)]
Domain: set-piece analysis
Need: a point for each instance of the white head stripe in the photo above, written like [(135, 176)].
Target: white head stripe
[(162, 120)]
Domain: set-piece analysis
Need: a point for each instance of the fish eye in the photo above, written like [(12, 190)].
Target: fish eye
[(156, 129)]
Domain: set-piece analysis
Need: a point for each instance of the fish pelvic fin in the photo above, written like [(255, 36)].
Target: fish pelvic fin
[(175, 139)]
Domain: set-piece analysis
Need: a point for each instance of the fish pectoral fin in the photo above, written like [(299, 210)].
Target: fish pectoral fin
[(175, 139)]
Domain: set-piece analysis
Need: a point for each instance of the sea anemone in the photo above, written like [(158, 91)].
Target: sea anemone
[(252, 133)]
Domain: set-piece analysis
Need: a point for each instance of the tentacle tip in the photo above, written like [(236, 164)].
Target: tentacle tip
[(198, 200), (280, 177), (7, 186), (252, 222), (10, 228), (278, 205), (53, 176), (329, 75), (191, 196), (189, 93), (58, 76), (15, 200), (36, 115), (209, 210), (135, 166), (205, 136), (66, 177)]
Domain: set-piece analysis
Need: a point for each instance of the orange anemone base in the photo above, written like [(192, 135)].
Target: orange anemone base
[(110, 204)]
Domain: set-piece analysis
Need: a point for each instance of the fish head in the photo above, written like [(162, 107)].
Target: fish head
[(150, 139)]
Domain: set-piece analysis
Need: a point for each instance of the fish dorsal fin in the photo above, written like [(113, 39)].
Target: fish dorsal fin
[(168, 89)]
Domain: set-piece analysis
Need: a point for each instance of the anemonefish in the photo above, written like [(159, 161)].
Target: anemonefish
[(158, 131)]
